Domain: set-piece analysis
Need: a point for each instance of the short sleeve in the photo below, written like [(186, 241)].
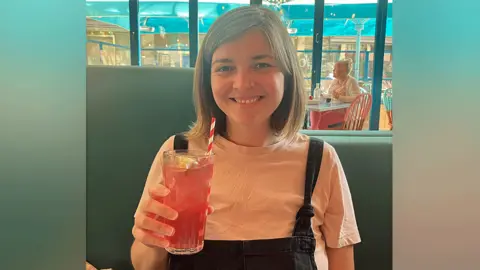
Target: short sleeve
[(339, 226), (354, 88), (155, 174)]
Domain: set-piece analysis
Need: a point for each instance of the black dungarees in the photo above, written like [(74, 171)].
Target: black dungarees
[(290, 253)]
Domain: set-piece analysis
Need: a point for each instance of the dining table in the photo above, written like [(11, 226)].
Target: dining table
[(322, 106), (330, 106)]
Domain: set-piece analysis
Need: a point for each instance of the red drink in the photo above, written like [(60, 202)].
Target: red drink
[(187, 175)]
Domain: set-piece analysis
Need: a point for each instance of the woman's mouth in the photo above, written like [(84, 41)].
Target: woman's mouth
[(246, 100)]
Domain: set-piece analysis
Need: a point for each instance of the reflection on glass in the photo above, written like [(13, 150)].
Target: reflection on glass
[(164, 33), (349, 30), (298, 19), (108, 40), (165, 28), (165, 50), (349, 34)]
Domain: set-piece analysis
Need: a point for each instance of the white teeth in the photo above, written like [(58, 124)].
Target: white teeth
[(247, 101)]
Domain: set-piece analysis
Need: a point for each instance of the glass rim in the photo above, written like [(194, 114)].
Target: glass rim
[(187, 152)]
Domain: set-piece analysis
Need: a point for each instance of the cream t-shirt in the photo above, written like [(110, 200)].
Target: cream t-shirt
[(257, 191)]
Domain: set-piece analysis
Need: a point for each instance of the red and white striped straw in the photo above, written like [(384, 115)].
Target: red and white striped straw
[(212, 134)]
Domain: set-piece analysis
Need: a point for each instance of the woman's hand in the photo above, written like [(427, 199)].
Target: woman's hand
[(89, 266), (147, 228), (336, 94)]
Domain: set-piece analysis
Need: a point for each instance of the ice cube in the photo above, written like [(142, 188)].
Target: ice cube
[(186, 162)]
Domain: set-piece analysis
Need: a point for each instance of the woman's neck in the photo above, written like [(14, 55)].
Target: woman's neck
[(250, 135)]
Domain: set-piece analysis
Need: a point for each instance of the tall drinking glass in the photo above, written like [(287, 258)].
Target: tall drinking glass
[(187, 173)]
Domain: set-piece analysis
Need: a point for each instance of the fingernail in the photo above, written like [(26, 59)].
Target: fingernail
[(161, 192), (170, 231), (173, 215), (164, 191)]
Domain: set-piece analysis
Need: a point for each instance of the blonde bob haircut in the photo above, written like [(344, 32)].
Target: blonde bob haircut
[(288, 118)]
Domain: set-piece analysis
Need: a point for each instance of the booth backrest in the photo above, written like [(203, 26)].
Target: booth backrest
[(132, 110), (367, 161)]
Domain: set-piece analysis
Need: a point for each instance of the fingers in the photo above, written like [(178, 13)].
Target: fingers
[(149, 238), (148, 229), (159, 209), (158, 191), (145, 222), (90, 267)]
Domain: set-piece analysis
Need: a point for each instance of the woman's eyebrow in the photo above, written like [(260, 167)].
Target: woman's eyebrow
[(228, 60), (222, 60), (262, 56)]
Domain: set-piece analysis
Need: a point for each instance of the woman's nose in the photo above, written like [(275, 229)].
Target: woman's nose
[(242, 79)]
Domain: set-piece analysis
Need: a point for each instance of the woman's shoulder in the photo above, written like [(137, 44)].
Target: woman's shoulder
[(328, 151), (334, 81), (167, 144), (352, 79)]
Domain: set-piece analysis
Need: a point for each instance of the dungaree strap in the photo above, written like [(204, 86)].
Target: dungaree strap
[(303, 225), (314, 159), (180, 142)]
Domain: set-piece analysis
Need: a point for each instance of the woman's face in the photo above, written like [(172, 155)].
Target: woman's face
[(246, 81), (340, 71)]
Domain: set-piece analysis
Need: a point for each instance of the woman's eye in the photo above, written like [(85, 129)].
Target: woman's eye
[(262, 65), (224, 69)]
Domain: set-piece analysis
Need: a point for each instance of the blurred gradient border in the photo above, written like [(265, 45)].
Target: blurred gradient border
[(42, 134), (435, 140)]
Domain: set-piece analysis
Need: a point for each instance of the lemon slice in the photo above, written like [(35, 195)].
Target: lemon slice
[(185, 162)]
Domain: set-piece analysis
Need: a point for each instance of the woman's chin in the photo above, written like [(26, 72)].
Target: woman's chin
[(248, 121)]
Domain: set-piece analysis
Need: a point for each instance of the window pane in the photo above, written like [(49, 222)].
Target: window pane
[(349, 34), (108, 38), (164, 33), (297, 17), (210, 10), (386, 109)]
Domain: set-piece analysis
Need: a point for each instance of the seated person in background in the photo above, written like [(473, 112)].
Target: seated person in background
[(343, 88)]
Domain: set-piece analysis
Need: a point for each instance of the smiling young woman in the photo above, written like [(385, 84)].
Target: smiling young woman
[(281, 199)]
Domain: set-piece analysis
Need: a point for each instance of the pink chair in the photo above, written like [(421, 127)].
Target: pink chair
[(357, 112)]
